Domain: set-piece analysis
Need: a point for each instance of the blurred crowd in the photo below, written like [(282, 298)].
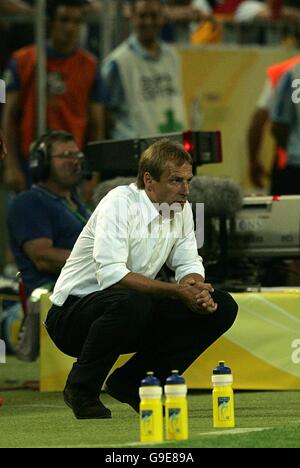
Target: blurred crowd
[(194, 21)]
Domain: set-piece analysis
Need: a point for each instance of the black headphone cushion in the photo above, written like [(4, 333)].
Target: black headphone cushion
[(39, 164)]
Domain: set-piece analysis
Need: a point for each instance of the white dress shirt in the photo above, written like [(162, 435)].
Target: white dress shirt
[(127, 234)]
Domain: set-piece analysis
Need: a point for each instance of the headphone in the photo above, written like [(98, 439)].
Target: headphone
[(40, 155)]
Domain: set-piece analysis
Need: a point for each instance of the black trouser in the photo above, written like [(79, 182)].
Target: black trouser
[(164, 333)]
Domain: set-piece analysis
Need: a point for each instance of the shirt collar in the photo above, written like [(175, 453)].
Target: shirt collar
[(44, 191), (53, 195), (137, 47), (149, 212)]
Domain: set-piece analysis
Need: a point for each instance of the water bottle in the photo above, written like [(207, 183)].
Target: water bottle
[(151, 413), (176, 408), (223, 403)]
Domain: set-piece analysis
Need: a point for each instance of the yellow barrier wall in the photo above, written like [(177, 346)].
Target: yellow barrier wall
[(262, 347)]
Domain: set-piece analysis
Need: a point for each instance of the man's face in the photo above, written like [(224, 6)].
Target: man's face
[(66, 25), (66, 165), (147, 20), (173, 186)]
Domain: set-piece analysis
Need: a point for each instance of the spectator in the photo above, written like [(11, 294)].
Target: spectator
[(210, 30), (248, 10), (73, 91), (143, 79), (45, 221), (285, 118), (238, 11), (178, 15), (230, 9), (107, 301), (259, 122), (288, 10)]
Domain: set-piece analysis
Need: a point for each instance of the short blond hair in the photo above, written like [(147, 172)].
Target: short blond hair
[(155, 158)]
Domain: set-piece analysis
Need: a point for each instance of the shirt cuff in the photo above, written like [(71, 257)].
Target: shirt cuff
[(111, 274), (182, 272)]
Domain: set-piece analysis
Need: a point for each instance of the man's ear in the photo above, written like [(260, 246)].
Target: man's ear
[(148, 181)]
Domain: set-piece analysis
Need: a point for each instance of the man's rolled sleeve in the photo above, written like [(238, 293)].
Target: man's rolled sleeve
[(111, 242), (108, 275)]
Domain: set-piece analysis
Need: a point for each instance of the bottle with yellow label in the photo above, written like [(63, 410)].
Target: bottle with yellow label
[(223, 400), (176, 408), (151, 413)]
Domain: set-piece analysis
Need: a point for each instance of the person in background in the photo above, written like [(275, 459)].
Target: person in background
[(45, 221), (143, 79), (238, 11), (258, 124), (74, 97), (178, 16), (107, 300), (285, 117), (249, 10)]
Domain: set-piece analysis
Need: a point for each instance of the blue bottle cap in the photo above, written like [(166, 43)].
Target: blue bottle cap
[(175, 379), (222, 369), (150, 380)]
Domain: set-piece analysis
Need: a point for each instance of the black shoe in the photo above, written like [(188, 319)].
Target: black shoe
[(85, 406), (122, 396)]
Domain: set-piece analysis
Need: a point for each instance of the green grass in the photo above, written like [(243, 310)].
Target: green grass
[(32, 419)]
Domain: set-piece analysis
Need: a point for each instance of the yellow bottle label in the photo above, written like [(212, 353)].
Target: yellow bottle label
[(175, 421), (147, 423), (224, 408), (151, 422)]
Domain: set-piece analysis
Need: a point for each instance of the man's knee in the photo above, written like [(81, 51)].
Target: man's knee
[(232, 310), (227, 306)]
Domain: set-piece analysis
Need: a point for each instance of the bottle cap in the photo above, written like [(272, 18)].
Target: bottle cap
[(175, 379), (221, 369), (150, 380)]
